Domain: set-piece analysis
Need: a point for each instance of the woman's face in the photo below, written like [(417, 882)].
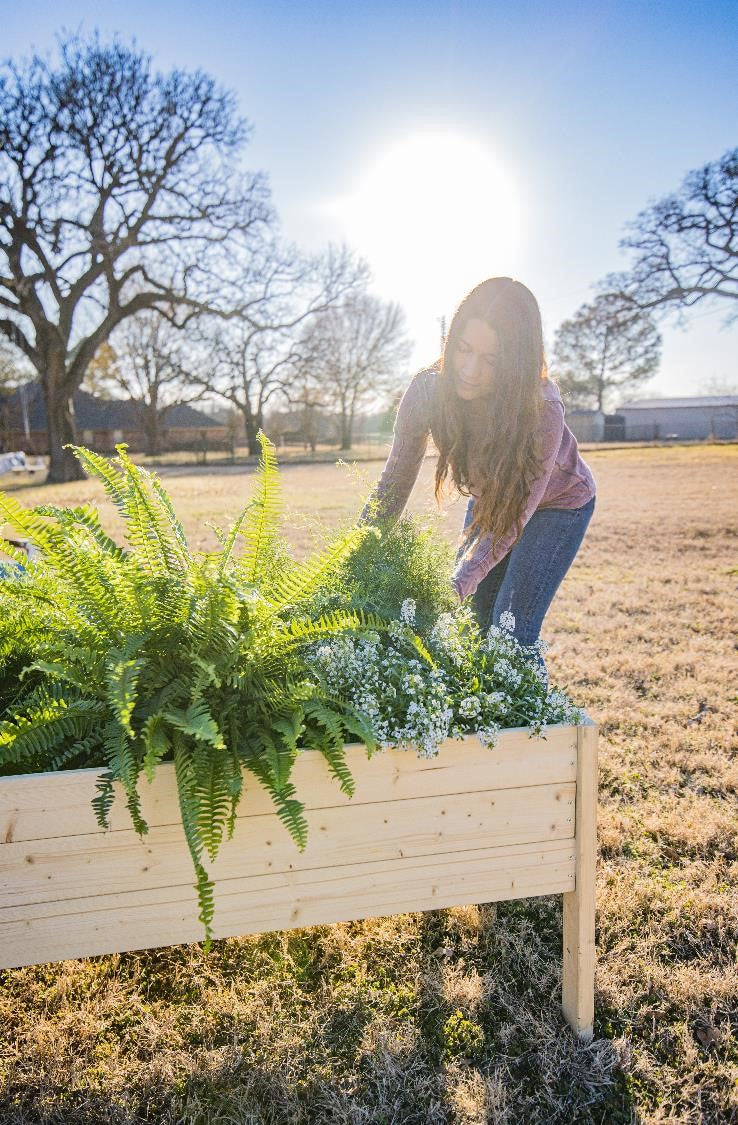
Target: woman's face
[(475, 359)]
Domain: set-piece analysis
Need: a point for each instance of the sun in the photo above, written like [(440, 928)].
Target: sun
[(433, 205)]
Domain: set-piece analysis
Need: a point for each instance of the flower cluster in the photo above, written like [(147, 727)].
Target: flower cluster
[(472, 683)]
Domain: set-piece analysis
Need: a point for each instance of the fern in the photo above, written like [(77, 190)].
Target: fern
[(156, 743), (123, 657), (85, 518), (103, 802), (332, 744), (261, 517), (289, 809), (304, 580), (122, 678)]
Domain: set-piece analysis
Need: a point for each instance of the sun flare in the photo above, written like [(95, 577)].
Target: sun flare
[(433, 203), (433, 213)]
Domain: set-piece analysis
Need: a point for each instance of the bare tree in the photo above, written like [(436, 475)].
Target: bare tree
[(12, 369), (311, 399), (119, 192), (685, 246), (249, 361), (153, 369), (603, 349), (101, 376), (352, 354), (719, 385), (13, 373)]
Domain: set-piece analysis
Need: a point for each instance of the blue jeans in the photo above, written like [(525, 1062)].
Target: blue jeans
[(525, 581)]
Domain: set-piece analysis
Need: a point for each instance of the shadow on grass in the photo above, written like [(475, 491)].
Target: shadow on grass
[(323, 1026)]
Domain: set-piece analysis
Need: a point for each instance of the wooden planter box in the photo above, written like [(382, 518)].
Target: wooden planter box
[(471, 825)]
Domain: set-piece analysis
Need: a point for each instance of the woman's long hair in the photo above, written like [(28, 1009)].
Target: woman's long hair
[(509, 457)]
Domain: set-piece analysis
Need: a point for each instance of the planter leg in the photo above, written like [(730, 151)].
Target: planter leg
[(577, 993)]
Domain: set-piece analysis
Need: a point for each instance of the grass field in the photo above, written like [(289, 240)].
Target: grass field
[(454, 1016)]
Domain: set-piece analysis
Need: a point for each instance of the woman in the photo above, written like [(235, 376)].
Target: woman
[(498, 423)]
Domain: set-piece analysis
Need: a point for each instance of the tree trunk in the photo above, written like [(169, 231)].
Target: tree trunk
[(346, 432), (603, 369), (252, 428), (151, 429), (63, 465)]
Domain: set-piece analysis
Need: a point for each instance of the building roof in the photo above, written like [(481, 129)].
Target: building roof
[(93, 413), (713, 401)]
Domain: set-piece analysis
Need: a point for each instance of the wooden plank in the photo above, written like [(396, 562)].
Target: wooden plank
[(110, 862), (51, 805), (579, 905), (471, 825), (144, 919)]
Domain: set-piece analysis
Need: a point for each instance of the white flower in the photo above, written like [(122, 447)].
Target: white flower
[(504, 669), (409, 705), (488, 736), (470, 707), (540, 672), (507, 621), (407, 612)]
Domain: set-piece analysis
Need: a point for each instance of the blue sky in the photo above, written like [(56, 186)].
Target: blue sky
[(453, 141)]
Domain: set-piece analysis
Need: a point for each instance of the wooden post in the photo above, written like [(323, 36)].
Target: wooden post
[(577, 992)]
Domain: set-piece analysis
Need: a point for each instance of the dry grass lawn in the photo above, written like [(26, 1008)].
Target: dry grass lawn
[(453, 1016)]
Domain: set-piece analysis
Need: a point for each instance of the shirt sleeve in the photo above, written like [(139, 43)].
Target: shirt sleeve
[(470, 572), (410, 440)]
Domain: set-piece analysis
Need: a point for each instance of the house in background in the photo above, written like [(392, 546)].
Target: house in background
[(102, 423), (695, 418)]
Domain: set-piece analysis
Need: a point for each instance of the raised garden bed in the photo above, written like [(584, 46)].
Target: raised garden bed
[(224, 692), (471, 825)]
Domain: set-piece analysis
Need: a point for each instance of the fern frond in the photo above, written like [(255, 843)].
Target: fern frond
[(275, 762), (359, 725), (289, 810), (85, 517), (166, 503), (30, 525), (205, 673), (156, 743), (113, 481), (19, 556), (204, 888), (306, 578), (300, 631), (78, 753), (419, 647), (261, 516), (122, 676), (186, 788), (58, 670), (46, 724), (197, 722), (229, 541), (234, 781), (145, 528), (103, 802), (213, 797), (332, 745), (122, 765)]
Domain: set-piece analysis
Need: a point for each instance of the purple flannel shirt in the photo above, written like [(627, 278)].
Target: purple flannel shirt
[(565, 480)]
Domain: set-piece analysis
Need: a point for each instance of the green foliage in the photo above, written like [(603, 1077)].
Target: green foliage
[(405, 560), (125, 657), (462, 1037)]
